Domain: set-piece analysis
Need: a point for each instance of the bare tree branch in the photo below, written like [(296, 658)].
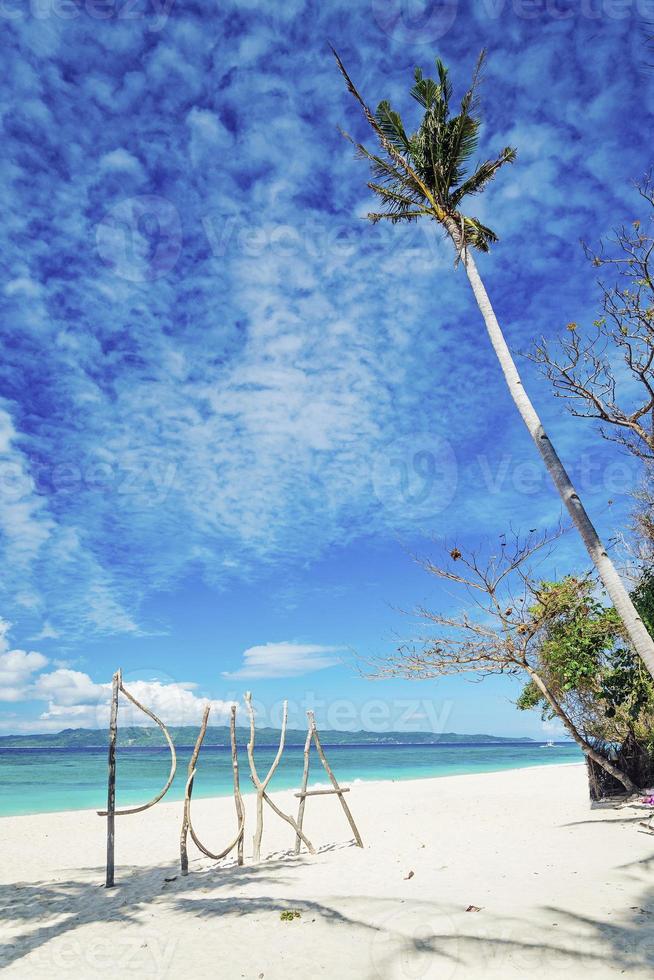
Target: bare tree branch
[(585, 367), (500, 629)]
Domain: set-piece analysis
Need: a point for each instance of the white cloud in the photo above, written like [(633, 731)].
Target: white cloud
[(68, 688), (47, 632), (284, 660), (16, 669), (121, 159), (5, 626), (175, 704), (35, 544), (74, 700), (25, 522), (208, 135)]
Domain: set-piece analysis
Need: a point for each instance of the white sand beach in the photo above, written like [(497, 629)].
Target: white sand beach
[(562, 891)]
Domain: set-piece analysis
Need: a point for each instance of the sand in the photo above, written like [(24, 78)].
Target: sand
[(562, 890)]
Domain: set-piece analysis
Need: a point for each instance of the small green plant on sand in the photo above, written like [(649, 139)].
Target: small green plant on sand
[(288, 915)]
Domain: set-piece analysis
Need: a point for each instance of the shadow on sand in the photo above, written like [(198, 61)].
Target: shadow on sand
[(398, 933)]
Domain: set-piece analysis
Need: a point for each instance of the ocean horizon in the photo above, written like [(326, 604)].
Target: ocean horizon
[(46, 780)]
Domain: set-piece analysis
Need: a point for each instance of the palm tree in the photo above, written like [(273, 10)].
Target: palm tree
[(426, 175)]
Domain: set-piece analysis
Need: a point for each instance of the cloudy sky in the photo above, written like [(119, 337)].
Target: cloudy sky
[(229, 406)]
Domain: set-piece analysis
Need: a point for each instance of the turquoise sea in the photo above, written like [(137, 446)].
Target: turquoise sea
[(37, 780)]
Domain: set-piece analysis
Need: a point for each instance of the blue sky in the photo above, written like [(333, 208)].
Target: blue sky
[(229, 406)]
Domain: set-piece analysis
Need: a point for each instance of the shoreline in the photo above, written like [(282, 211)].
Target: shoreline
[(249, 790)]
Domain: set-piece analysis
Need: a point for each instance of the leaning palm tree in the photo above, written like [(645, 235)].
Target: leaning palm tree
[(426, 174)]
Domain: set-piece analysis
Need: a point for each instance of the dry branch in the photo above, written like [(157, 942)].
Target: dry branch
[(261, 785), (334, 781), (303, 793), (289, 820), (584, 367), (504, 634), (238, 799), (322, 792), (173, 758), (312, 735), (187, 825), (189, 789)]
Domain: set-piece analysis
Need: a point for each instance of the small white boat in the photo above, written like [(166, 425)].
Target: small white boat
[(548, 745)]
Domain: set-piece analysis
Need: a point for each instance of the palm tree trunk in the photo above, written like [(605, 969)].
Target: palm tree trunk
[(640, 638), (585, 746)]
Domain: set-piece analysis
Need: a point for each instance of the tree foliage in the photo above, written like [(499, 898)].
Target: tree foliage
[(428, 173), (576, 630), (560, 635), (585, 660)]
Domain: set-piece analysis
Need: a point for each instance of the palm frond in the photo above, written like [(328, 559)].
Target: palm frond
[(464, 129), (381, 169), (461, 142), (470, 101), (425, 174), (395, 155), (393, 197), (427, 92), (390, 123), (483, 175), (444, 80), (477, 235), (395, 216)]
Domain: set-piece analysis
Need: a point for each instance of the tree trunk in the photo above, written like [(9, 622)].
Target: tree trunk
[(111, 781), (640, 638), (585, 746)]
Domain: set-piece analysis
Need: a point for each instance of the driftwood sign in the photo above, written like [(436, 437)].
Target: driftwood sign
[(260, 784)]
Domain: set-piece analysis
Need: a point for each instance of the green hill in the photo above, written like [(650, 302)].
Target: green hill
[(219, 735)]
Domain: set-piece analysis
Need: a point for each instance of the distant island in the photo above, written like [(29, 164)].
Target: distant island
[(218, 735)]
